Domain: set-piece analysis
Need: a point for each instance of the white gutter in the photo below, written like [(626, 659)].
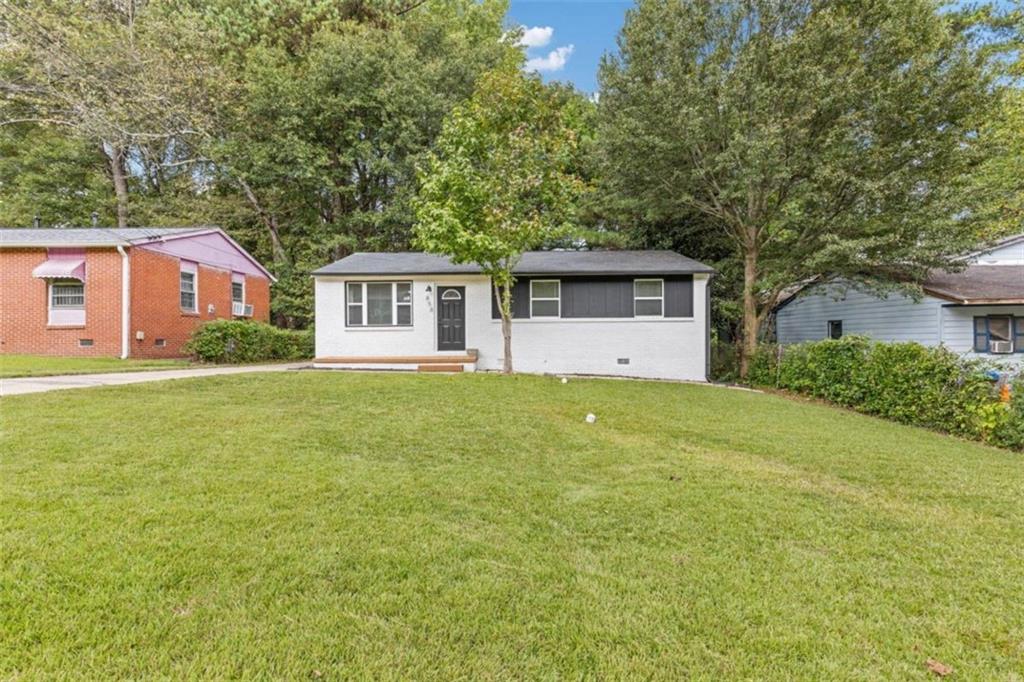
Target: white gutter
[(126, 301)]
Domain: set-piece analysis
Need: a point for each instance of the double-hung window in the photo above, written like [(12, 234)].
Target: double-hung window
[(648, 297), (379, 304), (187, 290), (67, 294), (545, 298), (996, 334), (238, 293)]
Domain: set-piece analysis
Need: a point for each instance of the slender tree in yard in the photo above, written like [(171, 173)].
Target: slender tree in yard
[(499, 182), (818, 137)]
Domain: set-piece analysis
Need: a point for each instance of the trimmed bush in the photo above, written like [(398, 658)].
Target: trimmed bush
[(239, 341), (905, 382)]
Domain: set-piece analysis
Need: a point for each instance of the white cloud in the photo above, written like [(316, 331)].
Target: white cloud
[(554, 61), (536, 36)]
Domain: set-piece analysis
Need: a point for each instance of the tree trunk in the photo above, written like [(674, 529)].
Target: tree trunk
[(751, 319), (119, 175), (503, 294), (277, 249)]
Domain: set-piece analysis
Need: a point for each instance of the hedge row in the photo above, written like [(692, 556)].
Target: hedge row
[(247, 341), (906, 382)]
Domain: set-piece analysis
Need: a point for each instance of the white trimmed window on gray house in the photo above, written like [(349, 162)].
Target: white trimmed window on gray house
[(378, 304), (545, 298), (648, 297), (998, 334)]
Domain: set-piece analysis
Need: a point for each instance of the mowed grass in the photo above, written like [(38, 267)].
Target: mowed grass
[(14, 365), (344, 525)]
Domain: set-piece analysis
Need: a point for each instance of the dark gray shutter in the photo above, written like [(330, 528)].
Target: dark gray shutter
[(981, 335), (679, 297), (597, 297), (520, 301)]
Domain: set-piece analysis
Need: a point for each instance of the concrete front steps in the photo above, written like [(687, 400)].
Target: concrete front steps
[(408, 363)]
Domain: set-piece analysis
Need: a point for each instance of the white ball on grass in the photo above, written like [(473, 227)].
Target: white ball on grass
[(591, 418), (564, 380)]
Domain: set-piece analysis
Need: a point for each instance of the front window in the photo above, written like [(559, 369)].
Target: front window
[(1000, 334), (379, 304), (237, 292), (997, 334), (648, 297), (69, 295), (188, 291), (545, 298)]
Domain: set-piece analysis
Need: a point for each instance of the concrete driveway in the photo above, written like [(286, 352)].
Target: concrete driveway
[(25, 385)]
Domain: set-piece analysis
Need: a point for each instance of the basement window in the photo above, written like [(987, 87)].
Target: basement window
[(160, 343), (835, 329), (84, 343)]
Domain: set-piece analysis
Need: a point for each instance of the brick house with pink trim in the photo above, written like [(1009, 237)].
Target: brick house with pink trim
[(131, 292)]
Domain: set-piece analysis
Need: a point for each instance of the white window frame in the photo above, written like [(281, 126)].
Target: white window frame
[(649, 298), (233, 283), (195, 289), (63, 283), (395, 304), (557, 298)]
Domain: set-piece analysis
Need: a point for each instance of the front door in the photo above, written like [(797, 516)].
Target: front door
[(451, 318)]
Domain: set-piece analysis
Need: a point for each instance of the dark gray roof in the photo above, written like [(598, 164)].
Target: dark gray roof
[(532, 263), (979, 284), (87, 236)]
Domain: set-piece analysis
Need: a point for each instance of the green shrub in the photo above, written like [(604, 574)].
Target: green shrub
[(237, 341), (905, 382)]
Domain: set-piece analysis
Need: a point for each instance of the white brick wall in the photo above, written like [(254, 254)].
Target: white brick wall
[(672, 348)]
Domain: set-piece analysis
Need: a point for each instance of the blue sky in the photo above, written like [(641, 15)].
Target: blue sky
[(570, 36)]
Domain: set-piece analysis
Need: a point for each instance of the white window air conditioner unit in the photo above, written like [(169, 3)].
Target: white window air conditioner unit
[(241, 309), (1001, 346), (247, 311)]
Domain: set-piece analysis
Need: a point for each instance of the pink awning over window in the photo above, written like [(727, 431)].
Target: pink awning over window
[(61, 268)]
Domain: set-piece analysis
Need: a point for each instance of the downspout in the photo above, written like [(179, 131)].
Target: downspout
[(126, 301)]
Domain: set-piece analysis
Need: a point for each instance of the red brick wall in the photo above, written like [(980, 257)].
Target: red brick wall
[(156, 309), (23, 306), (155, 304)]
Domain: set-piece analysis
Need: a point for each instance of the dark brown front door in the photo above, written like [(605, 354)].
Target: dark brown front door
[(451, 318)]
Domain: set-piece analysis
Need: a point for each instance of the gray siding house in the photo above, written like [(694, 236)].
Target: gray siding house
[(978, 312)]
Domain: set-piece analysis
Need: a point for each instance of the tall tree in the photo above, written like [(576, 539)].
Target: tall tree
[(818, 137), (500, 182)]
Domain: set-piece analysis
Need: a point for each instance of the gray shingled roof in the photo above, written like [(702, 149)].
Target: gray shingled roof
[(532, 263), (979, 284), (87, 236)]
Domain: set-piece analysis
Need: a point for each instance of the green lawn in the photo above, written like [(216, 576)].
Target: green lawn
[(41, 365), (475, 527)]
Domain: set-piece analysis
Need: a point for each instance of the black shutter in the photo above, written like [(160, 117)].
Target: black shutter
[(980, 334), (520, 301), (679, 297)]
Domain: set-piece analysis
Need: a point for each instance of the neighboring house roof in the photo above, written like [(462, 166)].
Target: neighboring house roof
[(1006, 241), (979, 284), (90, 236), (532, 263), (57, 237)]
